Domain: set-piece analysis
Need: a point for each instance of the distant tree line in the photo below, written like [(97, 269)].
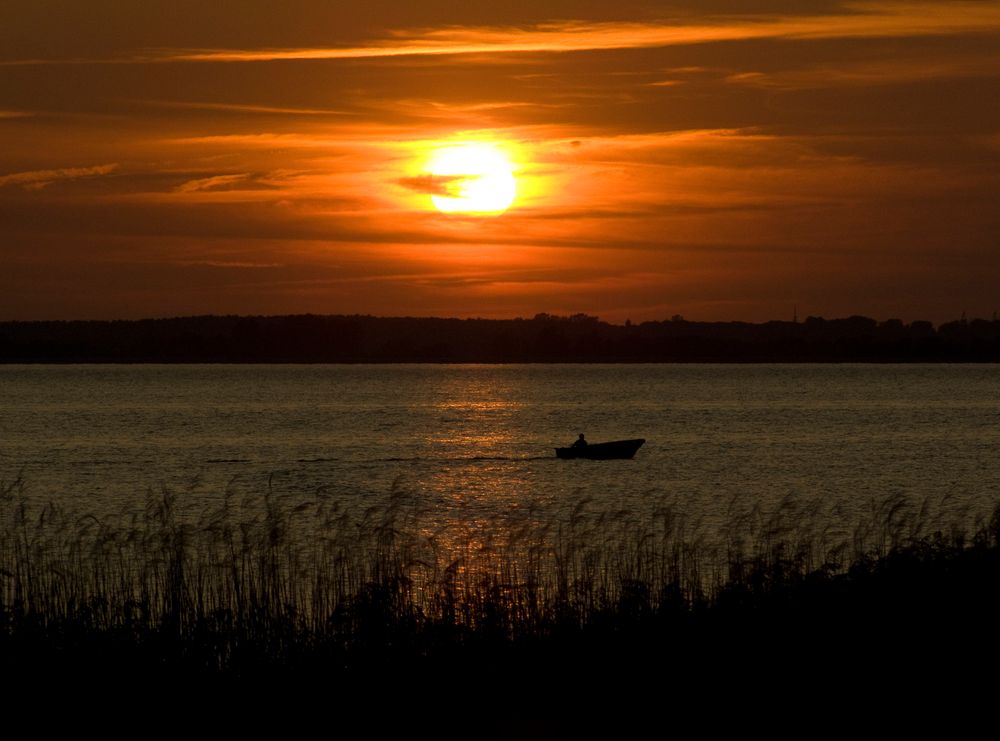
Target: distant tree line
[(544, 339)]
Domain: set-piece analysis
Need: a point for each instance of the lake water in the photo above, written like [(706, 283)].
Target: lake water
[(473, 445)]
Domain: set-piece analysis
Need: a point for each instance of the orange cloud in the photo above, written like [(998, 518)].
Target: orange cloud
[(212, 183), (864, 20), (435, 185), (38, 179), (873, 72), (241, 108)]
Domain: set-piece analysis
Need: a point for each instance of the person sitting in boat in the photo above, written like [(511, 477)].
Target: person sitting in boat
[(580, 442)]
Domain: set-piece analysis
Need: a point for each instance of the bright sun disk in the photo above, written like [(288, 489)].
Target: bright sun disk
[(475, 178)]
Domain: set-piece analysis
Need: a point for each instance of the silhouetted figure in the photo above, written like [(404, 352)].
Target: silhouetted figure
[(580, 442)]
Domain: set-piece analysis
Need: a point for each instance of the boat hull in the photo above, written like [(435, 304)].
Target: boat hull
[(617, 449)]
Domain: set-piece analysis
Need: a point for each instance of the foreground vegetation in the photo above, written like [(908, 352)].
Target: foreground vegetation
[(594, 603)]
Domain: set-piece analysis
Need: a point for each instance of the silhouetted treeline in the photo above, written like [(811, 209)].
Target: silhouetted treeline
[(545, 338)]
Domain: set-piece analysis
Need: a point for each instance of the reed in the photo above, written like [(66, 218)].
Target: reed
[(249, 586)]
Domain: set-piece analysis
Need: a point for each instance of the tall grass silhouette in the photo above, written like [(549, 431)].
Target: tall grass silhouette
[(250, 585)]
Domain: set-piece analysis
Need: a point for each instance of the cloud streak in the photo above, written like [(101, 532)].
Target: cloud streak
[(38, 179), (436, 185), (215, 182), (863, 20), (868, 73), (240, 108)]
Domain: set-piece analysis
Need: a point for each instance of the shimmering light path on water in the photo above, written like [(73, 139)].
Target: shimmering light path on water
[(474, 443)]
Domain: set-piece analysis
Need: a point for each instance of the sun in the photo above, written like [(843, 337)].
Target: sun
[(472, 178)]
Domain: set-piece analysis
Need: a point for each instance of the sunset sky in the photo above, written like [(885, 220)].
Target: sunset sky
[(713, 158)]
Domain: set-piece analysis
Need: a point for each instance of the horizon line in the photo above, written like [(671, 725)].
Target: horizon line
[(540, 316)]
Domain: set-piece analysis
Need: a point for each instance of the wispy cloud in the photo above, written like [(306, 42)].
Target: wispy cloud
[(38, 179), (242, 108), (860, 20), (215, 182), (435, 185), (880, 72), (232, 264)]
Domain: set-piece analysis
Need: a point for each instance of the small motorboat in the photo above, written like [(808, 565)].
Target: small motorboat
[(602, 451)]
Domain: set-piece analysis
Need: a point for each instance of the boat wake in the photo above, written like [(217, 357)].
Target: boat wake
[(464, 459)]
